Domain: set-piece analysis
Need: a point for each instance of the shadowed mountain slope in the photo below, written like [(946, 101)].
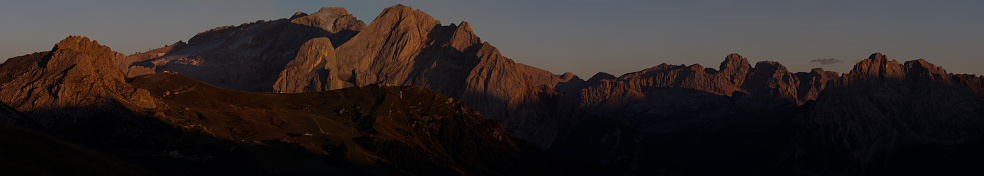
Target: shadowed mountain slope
[(27, 151)]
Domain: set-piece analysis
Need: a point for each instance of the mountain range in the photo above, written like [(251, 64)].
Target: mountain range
[(325, 93)]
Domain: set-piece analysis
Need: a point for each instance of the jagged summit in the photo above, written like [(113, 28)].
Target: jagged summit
[(324, 11), (923, 66), (735, 67), (877, 66), (81, 49), (335, 16), (80, 53)]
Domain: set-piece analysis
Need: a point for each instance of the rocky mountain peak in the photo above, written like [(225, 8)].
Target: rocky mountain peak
[(325, 11), (333, 20), (567, 76), (77, 72), (601, 76), (876, 66), (878, 56), (733, 60), (403, 16), (80, 45), (464, 37), (78, 52), (920, 65), (769, 67), (735, 68)]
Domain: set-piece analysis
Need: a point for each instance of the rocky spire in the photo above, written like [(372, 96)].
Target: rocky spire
[(735, 69)]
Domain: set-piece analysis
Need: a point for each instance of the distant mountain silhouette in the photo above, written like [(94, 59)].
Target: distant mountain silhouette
[(882, 118)]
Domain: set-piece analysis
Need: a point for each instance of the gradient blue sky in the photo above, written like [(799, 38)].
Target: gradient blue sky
[(583, 37)]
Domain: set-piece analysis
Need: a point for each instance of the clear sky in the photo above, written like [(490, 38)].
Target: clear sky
[(583, 37)]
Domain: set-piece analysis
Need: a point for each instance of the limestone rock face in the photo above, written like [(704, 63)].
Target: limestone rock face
[(77, 72), (771, 80), (876, 66), (312, 70), (125, 63), (334, 22), (812, 83), (404, 46), (250, 56), (735, 68)]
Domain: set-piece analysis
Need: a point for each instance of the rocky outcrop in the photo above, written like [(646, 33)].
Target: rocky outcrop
[(812, 83), (314, 69), (772, 84), (735, 69), (877, 66), (77, 73)]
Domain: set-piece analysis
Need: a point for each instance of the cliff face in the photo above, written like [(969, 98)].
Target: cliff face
[(251, 56), (314, 69)]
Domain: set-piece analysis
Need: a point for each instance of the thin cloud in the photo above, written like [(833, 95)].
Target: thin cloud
[(826, 61)]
